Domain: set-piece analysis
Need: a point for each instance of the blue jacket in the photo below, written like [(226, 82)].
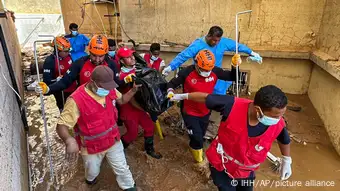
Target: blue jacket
[(78, 44), (225, 44)]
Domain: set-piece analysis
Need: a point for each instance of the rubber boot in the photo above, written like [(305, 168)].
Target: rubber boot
[(132, 189), (202, 165), (159, 130), (197, 154), (149, 148)]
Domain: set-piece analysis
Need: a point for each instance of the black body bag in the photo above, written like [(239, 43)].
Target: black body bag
[(152, 95)]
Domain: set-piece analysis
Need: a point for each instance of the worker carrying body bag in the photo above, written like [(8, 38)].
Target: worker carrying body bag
[(152, 96)]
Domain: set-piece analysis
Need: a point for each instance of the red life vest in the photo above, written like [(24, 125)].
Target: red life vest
[(122, 75), (241, 154), (65, 64), (197, 83), (86, 71), (156, 64), (96, 128)]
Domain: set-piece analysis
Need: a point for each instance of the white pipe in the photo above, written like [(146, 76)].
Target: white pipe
[(237, 69), (43, 111)]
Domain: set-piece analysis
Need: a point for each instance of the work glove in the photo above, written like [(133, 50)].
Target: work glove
[(129, 78), (166, 71), (170, 93), (179, 97), (236, 60), (255, 57), (286, 169), (42, 88), (59, 78)]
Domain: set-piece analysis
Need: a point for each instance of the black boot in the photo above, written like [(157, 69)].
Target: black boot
[(150, 150), (125, 144), (131, 189), (93, 182)]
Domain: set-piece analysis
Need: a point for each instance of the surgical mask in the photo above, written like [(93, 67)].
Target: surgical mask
[(112, 53), (126, 70), (154, 58), (265, 120), (74, 33), (205, 74), (101, 91)]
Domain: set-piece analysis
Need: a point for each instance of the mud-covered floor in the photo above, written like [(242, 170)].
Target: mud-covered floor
[(314, 158)]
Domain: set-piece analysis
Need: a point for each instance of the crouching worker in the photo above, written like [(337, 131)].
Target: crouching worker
[(59, 61), (92, 108), (245, 135), (131, 113), (200, 77)]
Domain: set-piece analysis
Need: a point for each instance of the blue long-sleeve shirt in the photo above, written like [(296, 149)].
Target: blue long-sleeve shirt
[(78, 44), (224, 45)]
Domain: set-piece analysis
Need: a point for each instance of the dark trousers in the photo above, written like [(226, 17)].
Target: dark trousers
[(154, 117), (59, 99), (226, 183), (196, 126)]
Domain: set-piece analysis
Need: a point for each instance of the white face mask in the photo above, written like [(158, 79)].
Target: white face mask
[(205, 74), (126, 70), (154, 58)]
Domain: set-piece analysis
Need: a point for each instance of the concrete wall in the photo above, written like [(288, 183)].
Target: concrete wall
[(329, 41), (13, 157), (273, 25), (324, 92), (92, 24), (33, 6)]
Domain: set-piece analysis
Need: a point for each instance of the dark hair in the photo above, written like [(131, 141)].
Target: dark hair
[(73, 26), (270, 96), (111, 42), (215, 31), (155, 46)]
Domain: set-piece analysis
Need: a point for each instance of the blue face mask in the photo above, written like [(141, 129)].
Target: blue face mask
[(112, 53), (101, 91), (125, 69), (265, 120), (268, 121), (74, 33)]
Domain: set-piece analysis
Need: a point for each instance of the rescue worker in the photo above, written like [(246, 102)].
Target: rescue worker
[(217, 44), (153, 59), (112, 48), (157, 63), (131, 113), (92, 108), (78, 42), (51, 71), (245, 135), (200, 77), (81, 70)]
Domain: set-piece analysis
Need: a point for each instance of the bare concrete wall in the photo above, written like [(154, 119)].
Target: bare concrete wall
[(292, 75), (329, 41), (13, 157), (92, 19), (34, 6), (324, 92), (287, 24)]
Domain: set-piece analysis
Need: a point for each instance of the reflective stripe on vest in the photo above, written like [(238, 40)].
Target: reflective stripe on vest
[(100, 134), (220, 151)]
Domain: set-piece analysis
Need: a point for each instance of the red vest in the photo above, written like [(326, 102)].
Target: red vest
[(122, 75), (241, 154), (196, 83), (156, 64), (86, 71), (97, 130), (65, 64)]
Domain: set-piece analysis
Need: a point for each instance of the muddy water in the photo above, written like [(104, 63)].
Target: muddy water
[(316, 166)]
